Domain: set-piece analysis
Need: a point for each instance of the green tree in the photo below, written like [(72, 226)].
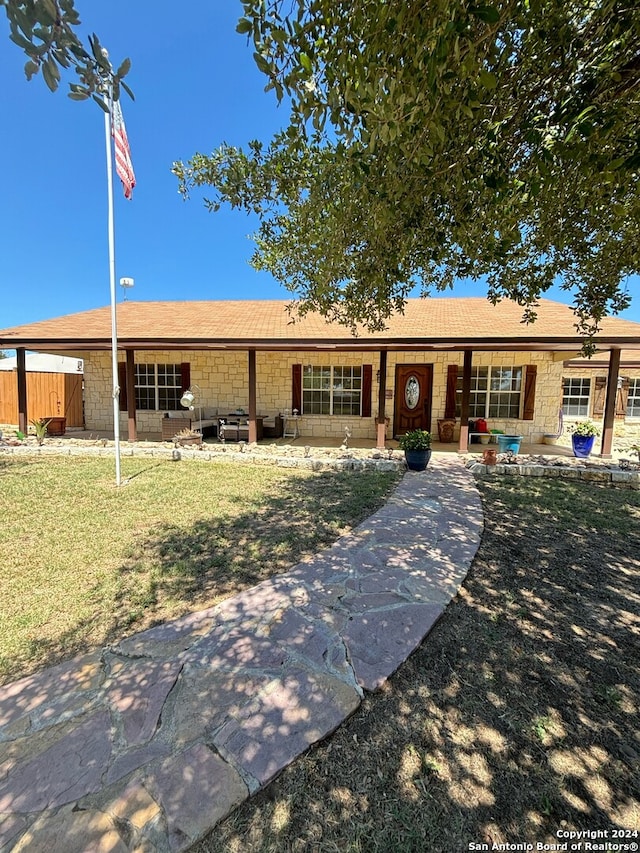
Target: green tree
[(429, 142), (46, 31)]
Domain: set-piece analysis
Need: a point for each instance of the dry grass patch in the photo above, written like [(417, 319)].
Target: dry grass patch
[(517, 717), (82, 562)]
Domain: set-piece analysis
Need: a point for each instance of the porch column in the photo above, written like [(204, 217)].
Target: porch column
[(21, 365), (381, 422), (610, 404), (463, 443), (131, 396), (253, 427)]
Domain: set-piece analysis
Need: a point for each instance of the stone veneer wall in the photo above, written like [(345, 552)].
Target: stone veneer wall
[(548, 386), (625, 429), (223, 378)]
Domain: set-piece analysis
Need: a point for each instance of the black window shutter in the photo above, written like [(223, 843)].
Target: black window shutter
[(122, 382), (185, 375), (530, 376), (296, 387), (367, 382), (452, 385)]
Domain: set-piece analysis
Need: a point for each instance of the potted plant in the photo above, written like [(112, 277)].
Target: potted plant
[(583, 435), (417, 448), (187, 436), (40, 426)]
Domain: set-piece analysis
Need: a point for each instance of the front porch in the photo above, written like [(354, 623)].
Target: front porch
[(441, 359), (360, 446)]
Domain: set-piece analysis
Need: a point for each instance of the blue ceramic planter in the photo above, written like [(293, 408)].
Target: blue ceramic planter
[(417, 460), (582, 445), (509, 443)]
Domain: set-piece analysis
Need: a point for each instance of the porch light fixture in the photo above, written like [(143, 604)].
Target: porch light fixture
[(187, 400)]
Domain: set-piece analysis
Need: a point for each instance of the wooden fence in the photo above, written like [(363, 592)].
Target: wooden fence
[(49, 395)]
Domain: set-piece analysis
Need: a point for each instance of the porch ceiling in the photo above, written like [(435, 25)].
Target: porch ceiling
[(427, 324)]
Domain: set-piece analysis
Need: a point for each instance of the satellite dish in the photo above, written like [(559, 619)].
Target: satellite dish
[(125, 284)]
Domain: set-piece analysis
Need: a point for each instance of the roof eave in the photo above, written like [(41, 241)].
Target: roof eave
[(543, 343)]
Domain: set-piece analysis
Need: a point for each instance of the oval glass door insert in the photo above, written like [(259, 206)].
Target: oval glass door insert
[(412, 392)]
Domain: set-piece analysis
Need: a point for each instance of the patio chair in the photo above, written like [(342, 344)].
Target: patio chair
[(227, 431)]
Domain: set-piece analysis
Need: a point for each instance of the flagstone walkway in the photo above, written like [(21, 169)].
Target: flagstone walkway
[(146, 745)]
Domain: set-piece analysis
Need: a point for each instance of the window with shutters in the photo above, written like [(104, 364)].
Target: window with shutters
[(495, 392), (633, 399), (331, 390), (576, 393), (158, 387)]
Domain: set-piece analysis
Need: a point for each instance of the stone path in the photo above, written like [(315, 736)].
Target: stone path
[(146, 745)]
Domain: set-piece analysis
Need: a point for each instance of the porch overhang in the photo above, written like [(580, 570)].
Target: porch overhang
[(567, 349)]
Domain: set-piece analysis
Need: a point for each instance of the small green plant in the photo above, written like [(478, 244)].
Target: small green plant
[(20, 435), (540, 727), (585, 428), (609, 693), (415, 439), (40, 426)]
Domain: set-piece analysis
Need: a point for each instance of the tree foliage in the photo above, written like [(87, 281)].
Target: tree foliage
[(46, 31), (429, 142)]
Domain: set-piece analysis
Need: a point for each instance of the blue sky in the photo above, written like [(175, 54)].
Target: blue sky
[(196, 86)]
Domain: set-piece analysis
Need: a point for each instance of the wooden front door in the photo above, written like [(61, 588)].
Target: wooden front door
[(412, 408)]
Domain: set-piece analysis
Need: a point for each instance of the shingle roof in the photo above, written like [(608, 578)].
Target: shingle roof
[(426, 323)]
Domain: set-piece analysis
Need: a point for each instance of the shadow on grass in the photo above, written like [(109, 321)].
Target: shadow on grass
[(175, 569), (516, 718)]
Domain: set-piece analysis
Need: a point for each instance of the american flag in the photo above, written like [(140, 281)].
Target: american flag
[(124, 167)]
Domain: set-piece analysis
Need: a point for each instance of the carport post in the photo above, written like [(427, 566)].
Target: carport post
[(463, 444), (21, 369), (610, 404)]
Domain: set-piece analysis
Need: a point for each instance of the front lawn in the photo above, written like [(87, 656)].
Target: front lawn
[(516, 720), (82, 562)]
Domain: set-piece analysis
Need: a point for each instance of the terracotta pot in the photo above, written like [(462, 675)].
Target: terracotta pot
[(490, 456)]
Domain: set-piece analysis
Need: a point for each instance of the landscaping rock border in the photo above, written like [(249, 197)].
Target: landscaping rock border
[(618, 473), (284, 456)]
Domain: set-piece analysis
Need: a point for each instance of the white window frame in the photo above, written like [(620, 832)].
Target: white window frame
[(488, 376), (578, 389), (327, 381), (479, 378), (633, 398), (506, 384), (157, 373)]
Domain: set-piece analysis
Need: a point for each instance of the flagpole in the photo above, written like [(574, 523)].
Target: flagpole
[(112, 282)]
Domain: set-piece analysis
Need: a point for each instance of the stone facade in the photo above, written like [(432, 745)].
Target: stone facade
[(626, 429), (223, 380)]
